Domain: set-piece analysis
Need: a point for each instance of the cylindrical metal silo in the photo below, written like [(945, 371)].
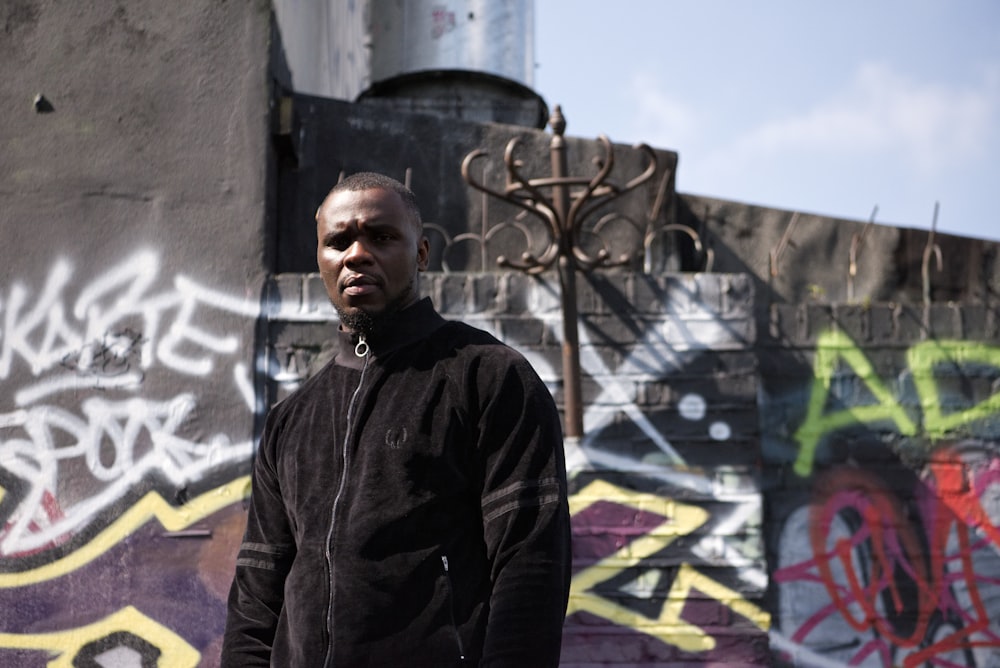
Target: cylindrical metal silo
[(471, 59), (478, 36)]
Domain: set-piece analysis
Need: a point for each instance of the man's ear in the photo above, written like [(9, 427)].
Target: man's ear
[(423, 253)]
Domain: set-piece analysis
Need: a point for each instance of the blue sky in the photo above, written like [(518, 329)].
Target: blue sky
[(823, 107)]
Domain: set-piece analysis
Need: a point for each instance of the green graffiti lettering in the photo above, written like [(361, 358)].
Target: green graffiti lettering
[(926, 358), (832, 350), (929, 362)]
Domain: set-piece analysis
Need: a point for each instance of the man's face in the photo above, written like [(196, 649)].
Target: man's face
[(369, 254)]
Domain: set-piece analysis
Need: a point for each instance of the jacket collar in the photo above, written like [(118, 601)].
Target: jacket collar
[(412, 324)]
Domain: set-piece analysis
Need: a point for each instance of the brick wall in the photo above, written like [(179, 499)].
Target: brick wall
[(667, 510), (814, 487), (880, 427)]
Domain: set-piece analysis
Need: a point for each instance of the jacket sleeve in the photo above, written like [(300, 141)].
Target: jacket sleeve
[(262, 564), (526, 523)]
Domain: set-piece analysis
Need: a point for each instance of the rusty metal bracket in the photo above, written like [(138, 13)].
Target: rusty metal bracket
[(931, 249), (856, 240), (777, 251), (651, 236)]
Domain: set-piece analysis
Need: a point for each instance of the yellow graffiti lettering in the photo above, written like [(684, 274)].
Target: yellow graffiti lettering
[(689, 578), (174, 651), (151, 506), (679, 519)]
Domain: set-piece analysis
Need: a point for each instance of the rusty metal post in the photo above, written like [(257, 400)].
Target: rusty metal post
[(572, 383)]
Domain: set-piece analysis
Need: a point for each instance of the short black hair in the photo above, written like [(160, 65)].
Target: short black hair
[(376, 181)]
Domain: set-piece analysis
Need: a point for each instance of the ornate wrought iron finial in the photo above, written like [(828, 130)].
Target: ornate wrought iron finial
[(557, 121)]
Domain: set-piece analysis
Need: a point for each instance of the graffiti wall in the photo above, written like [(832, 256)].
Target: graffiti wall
[(874, 542), (125, 449), (668, 551), (884, 534), (817, 489), (121, 473)]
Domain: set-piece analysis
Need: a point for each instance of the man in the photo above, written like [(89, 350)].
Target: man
[(409, 500)]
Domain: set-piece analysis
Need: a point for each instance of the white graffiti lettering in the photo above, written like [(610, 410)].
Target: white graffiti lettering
[(120, 443), (105, 320), (82, 413)]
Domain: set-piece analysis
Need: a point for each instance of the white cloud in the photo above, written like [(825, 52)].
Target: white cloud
[(659, 119), (931, 125), (884, 138)]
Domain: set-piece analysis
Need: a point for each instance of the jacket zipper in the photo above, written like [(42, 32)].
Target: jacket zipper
[(361, 350), (451, 607)]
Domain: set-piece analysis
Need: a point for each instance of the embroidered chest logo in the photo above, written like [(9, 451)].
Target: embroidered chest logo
[(395, 437)]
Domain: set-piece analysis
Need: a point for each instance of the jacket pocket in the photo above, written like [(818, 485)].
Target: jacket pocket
[(450, 592)]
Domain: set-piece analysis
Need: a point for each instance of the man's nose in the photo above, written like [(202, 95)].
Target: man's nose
[(357, 252)]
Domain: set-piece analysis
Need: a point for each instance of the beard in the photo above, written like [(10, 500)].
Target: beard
[(361, 321), (373, 323), (368, 323)]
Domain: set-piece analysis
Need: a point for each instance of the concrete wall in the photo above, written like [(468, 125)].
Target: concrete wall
[(132, 209), (801, 257)]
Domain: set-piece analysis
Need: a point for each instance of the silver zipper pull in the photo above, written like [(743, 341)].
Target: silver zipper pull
[(361, 350)]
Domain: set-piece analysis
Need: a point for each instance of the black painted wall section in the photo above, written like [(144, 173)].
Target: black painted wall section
[(326, 138)]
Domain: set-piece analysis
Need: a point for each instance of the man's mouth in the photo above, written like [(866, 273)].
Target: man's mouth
[(357, 286)]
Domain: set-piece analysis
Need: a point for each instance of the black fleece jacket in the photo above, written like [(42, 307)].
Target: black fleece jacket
[(408, 509)]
